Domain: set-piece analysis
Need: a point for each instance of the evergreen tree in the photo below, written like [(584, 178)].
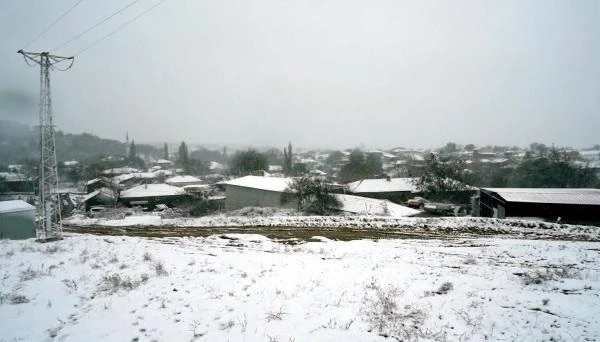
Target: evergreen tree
[(288, 166), (442, 174), (166, 152), (183, 158), (247, 162), (374, 164), (355, 169), (132, 152)]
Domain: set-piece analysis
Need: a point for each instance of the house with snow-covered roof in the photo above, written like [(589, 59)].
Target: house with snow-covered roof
[(151, 194), (255, 191), (181, 181), (393, 189)]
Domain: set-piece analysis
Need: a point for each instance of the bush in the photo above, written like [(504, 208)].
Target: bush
[(203, 207), (160, 269), (311, 196), (392, 320), (113, 283)]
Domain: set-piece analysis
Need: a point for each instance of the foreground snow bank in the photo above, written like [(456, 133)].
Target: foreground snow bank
[(474, 225), (249, 288)]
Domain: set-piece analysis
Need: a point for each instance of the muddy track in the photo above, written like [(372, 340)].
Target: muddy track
[(284, 233)]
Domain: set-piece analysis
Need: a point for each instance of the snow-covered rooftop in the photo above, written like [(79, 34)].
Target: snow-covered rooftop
[(152, 190), (122, 178), (15, 206), (183, 179), (263, 183), (383, 185), (119, 170), (216, 166), (369, 206), (13, 177), (545, 195), (92, 181)]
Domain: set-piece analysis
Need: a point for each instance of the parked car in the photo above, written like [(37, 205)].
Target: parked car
[(442, 208), (417, 202), (94, 211)]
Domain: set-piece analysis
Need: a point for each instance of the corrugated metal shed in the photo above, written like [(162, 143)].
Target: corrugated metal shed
[(369, 206), (544, 195)]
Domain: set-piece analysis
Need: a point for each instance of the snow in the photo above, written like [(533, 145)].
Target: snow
[(15, 206), (152, 190), (250, 288), (383, 185), (263, 183), (216, 166), (92, 181), (183, 179), (369, 206), (13, 177), (120, 171)]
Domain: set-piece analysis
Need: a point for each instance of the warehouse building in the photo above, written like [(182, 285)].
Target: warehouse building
[(565, 205)]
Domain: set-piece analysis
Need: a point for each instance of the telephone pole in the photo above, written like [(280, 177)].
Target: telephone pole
[(49, 200)]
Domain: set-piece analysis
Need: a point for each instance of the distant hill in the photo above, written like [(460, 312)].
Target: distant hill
[(19, 142)]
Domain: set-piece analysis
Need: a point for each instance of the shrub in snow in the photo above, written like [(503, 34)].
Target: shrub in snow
[(113, 283), (389, 319), (160, 269)]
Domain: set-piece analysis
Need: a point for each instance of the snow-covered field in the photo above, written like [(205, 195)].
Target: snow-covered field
[(249, 288)]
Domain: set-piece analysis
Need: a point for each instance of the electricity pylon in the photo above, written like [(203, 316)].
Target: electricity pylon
[(49, 203)]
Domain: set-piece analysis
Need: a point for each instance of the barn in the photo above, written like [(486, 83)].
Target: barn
[(570, 205)]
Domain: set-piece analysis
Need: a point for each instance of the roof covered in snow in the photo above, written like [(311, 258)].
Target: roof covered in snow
[(183, 179), (152, 190), (119, 170), (216, 166), (383, 185), (263, 183), (13, 177), (545, 195), (15, 206), (369, 206)]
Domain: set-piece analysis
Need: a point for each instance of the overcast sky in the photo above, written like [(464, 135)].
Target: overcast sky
[(319, 73)]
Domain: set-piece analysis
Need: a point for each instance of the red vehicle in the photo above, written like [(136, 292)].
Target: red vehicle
[(417, 202)]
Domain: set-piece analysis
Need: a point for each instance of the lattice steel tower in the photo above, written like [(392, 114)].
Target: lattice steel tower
[(49, 204)]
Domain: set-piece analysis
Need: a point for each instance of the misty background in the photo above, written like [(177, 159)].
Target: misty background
[(318, 73)]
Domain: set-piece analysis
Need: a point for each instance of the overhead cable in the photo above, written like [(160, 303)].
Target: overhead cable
[(52, 25), (120, 27), (95, 25)]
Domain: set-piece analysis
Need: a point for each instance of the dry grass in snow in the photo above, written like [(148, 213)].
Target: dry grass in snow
[(249, 288)]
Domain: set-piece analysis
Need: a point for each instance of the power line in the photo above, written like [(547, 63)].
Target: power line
[(120, 27), (51, 25), (96, 25)]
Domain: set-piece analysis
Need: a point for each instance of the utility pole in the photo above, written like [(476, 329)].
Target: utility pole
[(49, 200)]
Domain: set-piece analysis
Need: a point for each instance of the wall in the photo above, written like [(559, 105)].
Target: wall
[(17, 225), (240, 197)]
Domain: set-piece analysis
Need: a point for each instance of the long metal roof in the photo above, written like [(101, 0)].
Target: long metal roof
[(546, 195)]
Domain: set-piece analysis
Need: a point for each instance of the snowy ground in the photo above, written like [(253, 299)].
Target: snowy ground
[(249, 288)]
